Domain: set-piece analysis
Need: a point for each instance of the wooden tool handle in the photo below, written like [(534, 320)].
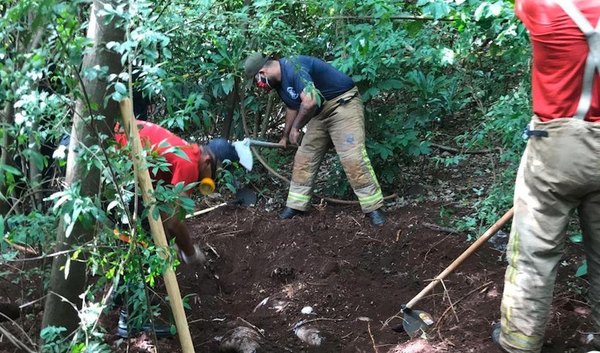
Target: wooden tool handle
[(459, 260), (265, 144), (156, 227)]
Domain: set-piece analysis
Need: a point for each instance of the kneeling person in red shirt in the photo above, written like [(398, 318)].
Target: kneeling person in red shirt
[(201, 162)]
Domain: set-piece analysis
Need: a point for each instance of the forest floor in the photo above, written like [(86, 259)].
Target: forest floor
[(263, 271)]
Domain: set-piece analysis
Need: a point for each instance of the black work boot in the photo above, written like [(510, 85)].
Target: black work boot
[(289, 213), (377, 218), (496, 329), (124, 331)]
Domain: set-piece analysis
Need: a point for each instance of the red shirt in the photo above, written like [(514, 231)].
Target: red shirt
[(559, 54), (161, 139)]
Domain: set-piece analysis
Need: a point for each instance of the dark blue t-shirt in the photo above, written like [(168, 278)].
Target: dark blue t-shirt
[(299, 71)]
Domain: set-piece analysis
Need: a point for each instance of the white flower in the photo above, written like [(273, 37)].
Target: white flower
[(511, 31), (60, 152), (447, 56), (90, 313), (495, 9), (20, 118)]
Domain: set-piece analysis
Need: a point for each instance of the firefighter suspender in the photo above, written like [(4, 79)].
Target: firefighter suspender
[(593, 60)]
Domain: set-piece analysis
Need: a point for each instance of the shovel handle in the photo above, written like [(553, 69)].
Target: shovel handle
[(266, 144), (459, 260)]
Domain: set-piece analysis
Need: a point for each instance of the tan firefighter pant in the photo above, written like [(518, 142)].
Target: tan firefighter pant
[(340, 123), (558, 174)]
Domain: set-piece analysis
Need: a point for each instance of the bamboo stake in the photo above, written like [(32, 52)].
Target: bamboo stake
[(156, 227)]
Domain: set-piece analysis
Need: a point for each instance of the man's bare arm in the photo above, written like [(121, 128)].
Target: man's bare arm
[(290, 115), (306, 111)]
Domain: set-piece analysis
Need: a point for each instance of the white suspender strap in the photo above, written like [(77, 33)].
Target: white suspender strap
[(592, 63)]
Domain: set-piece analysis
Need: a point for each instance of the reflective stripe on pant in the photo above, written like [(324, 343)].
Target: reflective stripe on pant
[(343, 125), (558, 174)]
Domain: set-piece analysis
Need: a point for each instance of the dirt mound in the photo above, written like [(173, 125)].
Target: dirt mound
[(349, 279), (330, 278)]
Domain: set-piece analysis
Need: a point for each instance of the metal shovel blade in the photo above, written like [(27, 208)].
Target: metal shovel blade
[(415, 322), (242, 148), (245, 153), (245, 197)]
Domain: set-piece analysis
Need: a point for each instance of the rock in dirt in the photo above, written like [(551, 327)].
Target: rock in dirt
[(499, 241), (283, 273), (414, 346), (309, 335), (241, 339)]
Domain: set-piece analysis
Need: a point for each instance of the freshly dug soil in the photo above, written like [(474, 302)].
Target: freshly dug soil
[(263, 271)]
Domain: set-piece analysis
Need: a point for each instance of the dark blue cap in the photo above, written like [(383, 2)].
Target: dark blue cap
[(222, 150)]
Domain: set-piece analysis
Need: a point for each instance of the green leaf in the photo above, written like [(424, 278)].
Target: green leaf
[(391, 84), (582, 270), (155, 213), (117, 96), (370, 93), (67, 267), (38, 159), (121, 88), (9, 169), (228, 84), (178, 152), (576, 238)]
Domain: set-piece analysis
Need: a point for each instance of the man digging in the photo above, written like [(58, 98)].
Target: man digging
[(327, 102)]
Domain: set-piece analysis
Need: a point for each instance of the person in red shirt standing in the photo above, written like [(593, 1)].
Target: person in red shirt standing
[(560, 169), (201, 162)]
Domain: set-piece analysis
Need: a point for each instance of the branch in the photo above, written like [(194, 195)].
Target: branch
[(15, 341), (372, 338), (458, 151), (259, 330), (304, 322), (440, 228), (459, 300), (393, 18), (27, 249), (350, 202)]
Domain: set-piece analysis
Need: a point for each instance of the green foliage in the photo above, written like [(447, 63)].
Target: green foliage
[(502, 126), (576, 238), (34, 228), (336, 182), (582, 269), (55, 343)]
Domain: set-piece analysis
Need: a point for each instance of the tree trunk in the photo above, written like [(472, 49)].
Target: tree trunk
[(8, 118), (83, 133), (232, 102)]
